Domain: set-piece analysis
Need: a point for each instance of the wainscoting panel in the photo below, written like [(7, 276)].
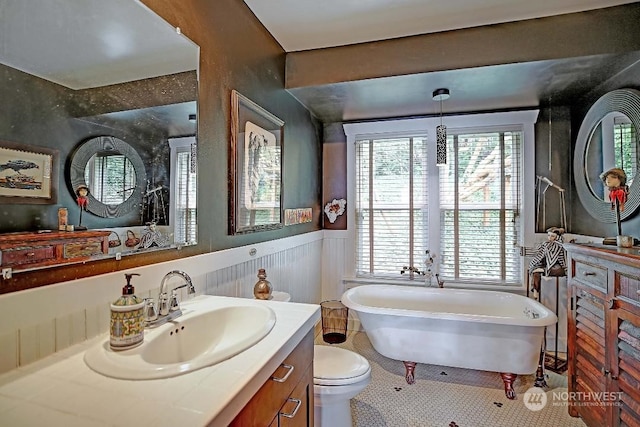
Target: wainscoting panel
[(334, 264), (39, 322), (296, 271)]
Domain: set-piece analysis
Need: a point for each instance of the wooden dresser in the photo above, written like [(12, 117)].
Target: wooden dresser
[(604, 334), (23, 251)]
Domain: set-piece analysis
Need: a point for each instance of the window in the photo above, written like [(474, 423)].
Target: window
[(467, 212), (184, 208), (112, 178), (480, 207), (391, 210), (624, 142)]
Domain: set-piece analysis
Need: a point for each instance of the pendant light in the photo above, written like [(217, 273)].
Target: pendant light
[(441, 130)]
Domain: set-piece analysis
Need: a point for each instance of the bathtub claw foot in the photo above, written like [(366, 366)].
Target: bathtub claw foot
[(409, 368), (508, 380)]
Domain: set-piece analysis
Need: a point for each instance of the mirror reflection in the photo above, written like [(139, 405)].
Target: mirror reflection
[(607, 139), (111, 177), (112, 171), (125, 75), (612, 144)]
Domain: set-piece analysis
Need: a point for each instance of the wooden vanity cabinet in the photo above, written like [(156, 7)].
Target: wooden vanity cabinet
[(23, 251), (604, 334), (286, 398)]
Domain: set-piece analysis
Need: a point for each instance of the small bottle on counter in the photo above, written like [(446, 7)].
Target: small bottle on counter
[(127, 319), (262, 288)]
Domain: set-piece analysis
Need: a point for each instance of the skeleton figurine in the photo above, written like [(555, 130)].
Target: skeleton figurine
[(549, 259)]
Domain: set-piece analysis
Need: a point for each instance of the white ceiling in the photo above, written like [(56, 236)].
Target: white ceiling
[(88, 43), (309, 24)]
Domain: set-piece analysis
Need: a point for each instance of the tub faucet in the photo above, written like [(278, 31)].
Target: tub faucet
[(167, 308), (440, 282)]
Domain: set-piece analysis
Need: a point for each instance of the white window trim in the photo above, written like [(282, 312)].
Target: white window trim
[(524, 119)]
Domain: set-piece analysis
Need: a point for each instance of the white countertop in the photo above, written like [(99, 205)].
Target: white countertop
[(61, 390)]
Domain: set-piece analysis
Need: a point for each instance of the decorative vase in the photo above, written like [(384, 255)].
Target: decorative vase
[(262, 288)]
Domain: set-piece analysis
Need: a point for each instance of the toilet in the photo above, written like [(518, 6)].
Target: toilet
[(338, 376)]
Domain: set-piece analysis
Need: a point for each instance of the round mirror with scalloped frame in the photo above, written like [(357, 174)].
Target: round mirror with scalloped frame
[(608, 138), (113, 172)]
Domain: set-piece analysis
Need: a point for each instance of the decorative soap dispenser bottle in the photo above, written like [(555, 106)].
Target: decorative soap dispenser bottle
[(127, 318), (262, 288)]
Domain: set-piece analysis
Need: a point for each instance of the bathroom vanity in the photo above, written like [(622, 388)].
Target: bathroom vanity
[(286, 398), (604, 334), (62, 390)]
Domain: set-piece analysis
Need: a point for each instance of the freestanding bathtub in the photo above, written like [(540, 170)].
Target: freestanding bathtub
[(474, 329)]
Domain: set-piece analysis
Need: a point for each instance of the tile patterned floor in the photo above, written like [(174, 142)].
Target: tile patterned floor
[(447, 397)]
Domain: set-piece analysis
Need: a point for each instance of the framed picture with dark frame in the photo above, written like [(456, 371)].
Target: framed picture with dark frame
[(28, 174), (255, 167)]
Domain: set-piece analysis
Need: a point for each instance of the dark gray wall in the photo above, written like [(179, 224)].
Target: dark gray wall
[(37, 113)]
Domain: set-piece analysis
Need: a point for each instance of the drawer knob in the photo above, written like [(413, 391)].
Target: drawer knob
[(298, 402), (31, 254), (283, 379), (589, 273)]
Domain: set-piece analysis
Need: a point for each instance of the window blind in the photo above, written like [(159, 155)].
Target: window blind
[(391, 206), (112, 178), (625, 147), (479, 207), (185, 199)]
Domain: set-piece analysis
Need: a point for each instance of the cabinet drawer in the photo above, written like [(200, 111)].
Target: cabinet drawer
[(82, 249), (22, 256), (591, 275), (268, 401)]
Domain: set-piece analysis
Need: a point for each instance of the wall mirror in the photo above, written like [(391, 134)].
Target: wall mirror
[(608, 138), (106, 84), (112, 170)]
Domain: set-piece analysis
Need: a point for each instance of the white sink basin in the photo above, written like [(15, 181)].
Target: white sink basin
[(207, 333)]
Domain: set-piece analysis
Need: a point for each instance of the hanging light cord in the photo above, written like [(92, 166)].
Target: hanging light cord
[(550, 163)]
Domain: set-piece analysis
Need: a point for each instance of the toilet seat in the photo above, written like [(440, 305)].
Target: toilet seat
[(337, 366)]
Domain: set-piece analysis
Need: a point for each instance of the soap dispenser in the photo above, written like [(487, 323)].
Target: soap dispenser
[(127, 318)]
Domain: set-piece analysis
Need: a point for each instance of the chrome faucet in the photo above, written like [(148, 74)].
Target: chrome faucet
[(167, 308)]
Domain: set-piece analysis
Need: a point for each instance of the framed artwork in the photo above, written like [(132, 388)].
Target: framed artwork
[(28, 174), (255, 167), (298, 216)]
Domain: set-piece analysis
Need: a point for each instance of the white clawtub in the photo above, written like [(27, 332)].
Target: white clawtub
[(474, 329)]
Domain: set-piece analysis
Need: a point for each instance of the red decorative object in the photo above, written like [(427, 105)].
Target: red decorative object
[(83, 201), (618, 195), (616, 181)]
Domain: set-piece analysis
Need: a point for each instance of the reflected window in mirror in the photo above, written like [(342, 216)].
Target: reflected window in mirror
[(111, 177), (183, 211), (626, 149), (612, 144)]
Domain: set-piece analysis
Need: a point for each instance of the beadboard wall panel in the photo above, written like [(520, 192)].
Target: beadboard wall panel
[(39, 322)]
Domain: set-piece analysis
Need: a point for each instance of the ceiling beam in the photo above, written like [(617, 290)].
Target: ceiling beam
[(612, 30)]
